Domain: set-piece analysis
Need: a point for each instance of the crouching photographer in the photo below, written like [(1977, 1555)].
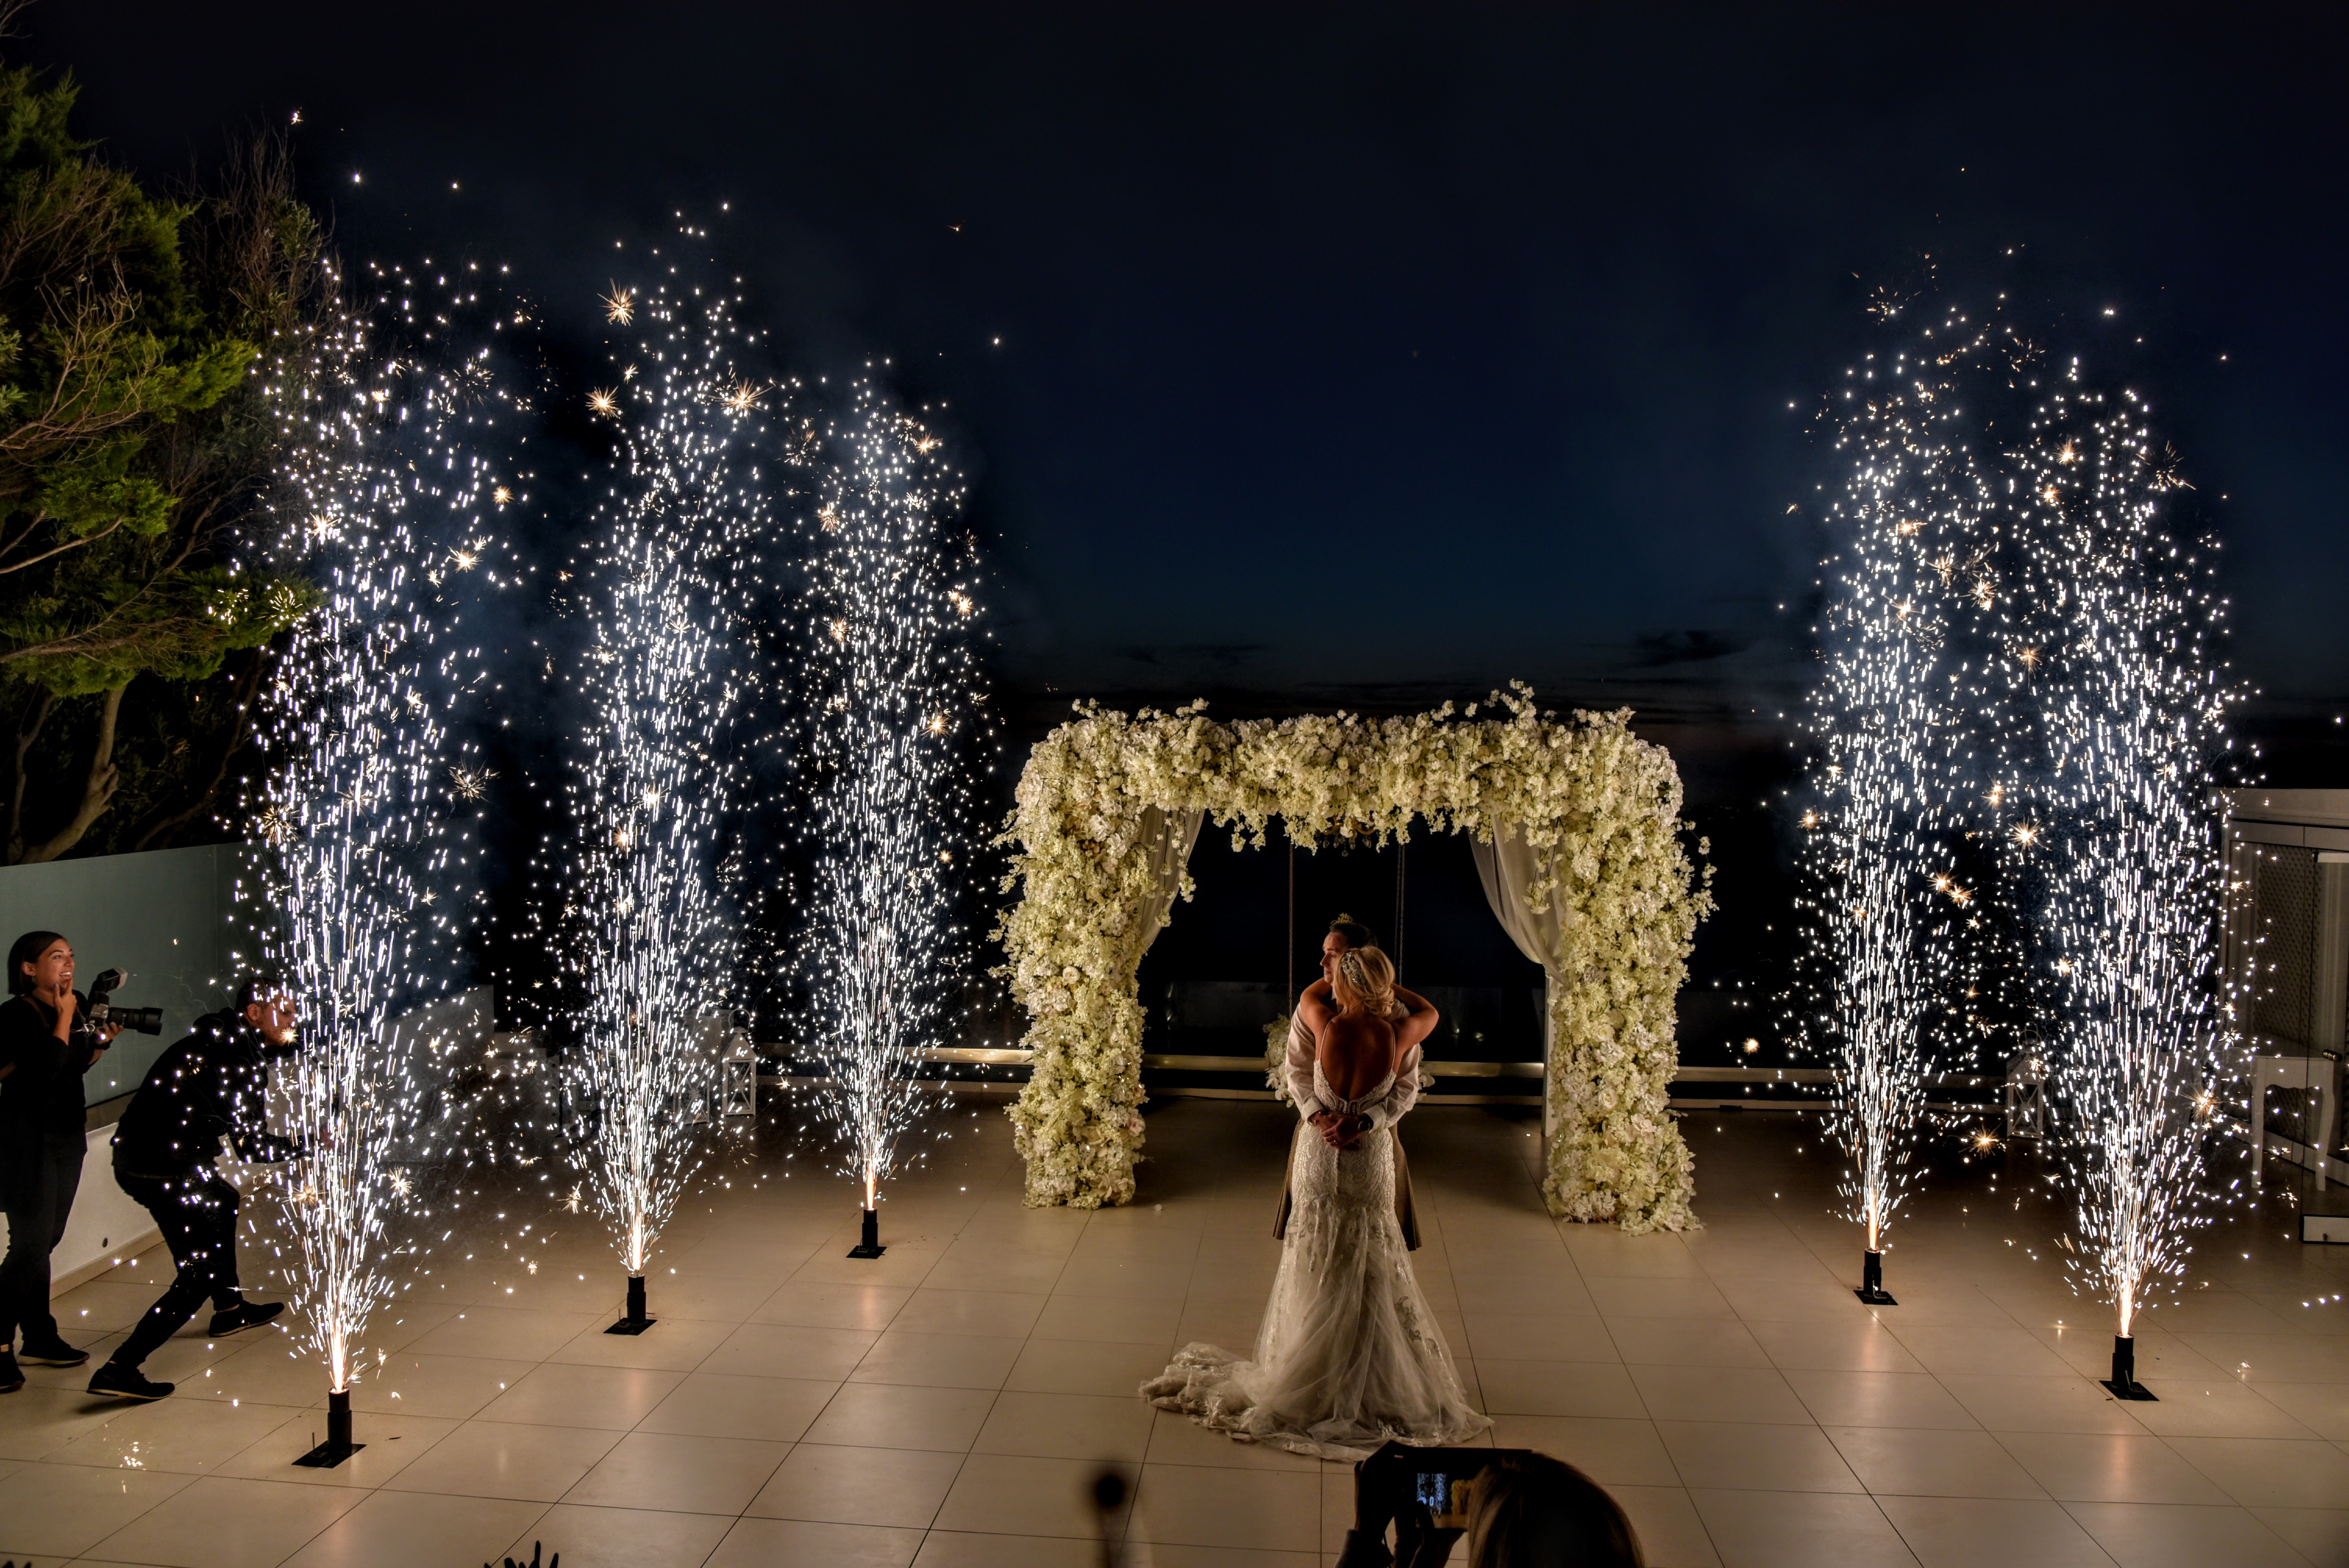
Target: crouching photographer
[(214, 1084), (1519, 1509)]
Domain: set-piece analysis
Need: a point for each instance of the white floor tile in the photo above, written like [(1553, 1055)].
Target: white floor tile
[(60, 1511), (389, 1530), (949, 1403), (226, 1521)]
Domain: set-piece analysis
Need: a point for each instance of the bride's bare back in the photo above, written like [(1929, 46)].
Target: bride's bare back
[(1357, 1052)]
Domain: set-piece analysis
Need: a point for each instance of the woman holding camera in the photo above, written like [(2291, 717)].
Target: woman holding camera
[(45, 1046)]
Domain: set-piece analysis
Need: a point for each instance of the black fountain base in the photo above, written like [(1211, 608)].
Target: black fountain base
[(635, 1322), (1871, 1282), (338, 1446), (2123, 1383), (869, 1244)]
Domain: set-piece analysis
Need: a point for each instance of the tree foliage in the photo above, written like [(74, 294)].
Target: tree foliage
[(134, 442)]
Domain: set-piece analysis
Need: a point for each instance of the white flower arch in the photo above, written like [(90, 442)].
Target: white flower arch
[(1597, 808)]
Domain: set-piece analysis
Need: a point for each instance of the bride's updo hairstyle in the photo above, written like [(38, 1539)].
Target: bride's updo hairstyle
[(1365, 982)]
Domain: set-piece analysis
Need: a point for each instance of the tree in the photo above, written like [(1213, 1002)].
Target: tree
[(134, 439)]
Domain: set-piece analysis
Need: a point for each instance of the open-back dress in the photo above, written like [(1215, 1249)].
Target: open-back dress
[(1349, 1355)]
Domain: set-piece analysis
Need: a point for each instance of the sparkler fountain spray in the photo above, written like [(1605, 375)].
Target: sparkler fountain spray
[(386, 498), (1864, 844), (2132, 715), (2021, 678), (663, 680), (894, 686), (1886, 746)]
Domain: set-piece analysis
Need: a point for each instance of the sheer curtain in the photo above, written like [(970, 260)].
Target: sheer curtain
[(1169, 842), (1508, 870)]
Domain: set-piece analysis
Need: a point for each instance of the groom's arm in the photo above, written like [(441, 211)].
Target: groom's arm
[(1298, 1066)]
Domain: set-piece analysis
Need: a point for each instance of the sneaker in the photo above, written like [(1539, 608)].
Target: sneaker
[(54, 1353), (244, 1315), (126, 1383), (10, 1378)]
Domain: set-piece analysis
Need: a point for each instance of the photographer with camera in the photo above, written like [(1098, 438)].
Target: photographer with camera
[(214, 1084), (47, 1043), (1519, 1509)]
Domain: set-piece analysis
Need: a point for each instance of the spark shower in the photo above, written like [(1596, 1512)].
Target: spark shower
[(2017, 733), (696, 676), (893, 699), (675, 558), (384, 506)]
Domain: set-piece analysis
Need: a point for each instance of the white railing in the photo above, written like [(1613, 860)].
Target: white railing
[(1743, 1077)]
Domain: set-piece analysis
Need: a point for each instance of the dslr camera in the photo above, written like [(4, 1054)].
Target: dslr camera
[(102, 1012)]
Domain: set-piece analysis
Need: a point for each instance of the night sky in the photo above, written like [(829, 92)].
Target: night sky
[(1332, 353)]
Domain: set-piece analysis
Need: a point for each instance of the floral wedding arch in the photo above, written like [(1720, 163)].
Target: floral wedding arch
[(1578, 828)]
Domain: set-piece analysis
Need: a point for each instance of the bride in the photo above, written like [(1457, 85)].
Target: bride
[(1348, 1356)]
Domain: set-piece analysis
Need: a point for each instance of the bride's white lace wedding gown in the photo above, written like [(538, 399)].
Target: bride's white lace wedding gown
[(1348, 1356)]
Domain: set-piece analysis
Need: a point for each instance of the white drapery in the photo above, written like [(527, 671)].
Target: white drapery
[(1510, 868), (1169, 843)]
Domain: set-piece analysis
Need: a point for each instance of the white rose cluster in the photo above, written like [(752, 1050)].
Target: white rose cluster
[(1590, 798)]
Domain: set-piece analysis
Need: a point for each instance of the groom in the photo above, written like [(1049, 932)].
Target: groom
[(1342, 1131)]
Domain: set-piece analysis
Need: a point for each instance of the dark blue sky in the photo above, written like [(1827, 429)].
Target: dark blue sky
[(1365, 345)]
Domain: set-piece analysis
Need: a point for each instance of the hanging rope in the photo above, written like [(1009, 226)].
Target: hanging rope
[(1397, 953), (1292, 915)]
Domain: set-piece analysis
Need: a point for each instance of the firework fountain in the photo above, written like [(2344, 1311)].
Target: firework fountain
[(1868, 719), (665, 675), (894, 694), (2131, 718), (1881, 754), (2016, 733), (385, 505)]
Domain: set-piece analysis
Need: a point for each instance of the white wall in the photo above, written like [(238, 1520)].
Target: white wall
[(170, 917)]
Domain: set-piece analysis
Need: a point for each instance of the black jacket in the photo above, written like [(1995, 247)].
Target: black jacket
[(213, 1084), (41, 1096)]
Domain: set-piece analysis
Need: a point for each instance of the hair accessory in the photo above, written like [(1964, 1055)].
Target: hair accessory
[(1349, 965)]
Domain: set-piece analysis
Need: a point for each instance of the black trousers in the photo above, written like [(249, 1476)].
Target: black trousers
[(197, 1215), (39, 1180)]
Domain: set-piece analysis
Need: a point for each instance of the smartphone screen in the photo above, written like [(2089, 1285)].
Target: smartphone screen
[(1442, 1481), (1446, 1497)]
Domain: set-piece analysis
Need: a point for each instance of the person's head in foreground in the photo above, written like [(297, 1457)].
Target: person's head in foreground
[(1531, 1510)]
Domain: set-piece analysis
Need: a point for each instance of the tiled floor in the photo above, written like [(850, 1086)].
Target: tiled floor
[(949, 1404)]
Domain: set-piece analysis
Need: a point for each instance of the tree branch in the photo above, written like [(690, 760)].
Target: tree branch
[(248, 687), (97, 790), (71, 412), (28, 729), (87, 539)]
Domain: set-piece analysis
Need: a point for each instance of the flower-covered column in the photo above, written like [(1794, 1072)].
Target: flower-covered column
[(1615, 1152), (1101, 825)]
